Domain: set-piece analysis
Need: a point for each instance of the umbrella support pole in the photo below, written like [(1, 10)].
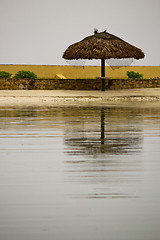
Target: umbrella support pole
[(103, 73)]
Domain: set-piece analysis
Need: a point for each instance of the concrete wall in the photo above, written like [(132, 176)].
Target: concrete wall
[(73, 72), (76, 84)]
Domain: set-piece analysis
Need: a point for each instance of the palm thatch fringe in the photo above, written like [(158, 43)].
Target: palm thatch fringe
[(102, 46)]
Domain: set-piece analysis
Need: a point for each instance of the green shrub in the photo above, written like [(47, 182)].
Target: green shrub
[(25, 74), (132, 74), (4, 74)]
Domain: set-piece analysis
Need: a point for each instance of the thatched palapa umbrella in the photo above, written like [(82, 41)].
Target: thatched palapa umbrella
[(102, 46)]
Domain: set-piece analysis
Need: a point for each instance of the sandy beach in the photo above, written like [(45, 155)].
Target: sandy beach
[(48, 98)]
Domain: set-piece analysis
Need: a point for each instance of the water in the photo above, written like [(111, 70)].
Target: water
[(80, 173)]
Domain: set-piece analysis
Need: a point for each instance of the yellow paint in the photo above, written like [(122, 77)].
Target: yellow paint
[(71, 72), (59, 76)]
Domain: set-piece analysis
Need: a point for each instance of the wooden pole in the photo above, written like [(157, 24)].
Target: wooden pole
[(103, 73)]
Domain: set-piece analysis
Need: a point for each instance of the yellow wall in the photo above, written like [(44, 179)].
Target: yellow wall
[(71, 72)]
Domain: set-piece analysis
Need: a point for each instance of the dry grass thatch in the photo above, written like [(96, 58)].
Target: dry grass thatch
[(102, 46)]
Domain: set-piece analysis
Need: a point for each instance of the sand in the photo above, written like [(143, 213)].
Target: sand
[(48, 98)]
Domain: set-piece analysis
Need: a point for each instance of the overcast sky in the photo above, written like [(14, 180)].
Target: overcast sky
[(39, 31)]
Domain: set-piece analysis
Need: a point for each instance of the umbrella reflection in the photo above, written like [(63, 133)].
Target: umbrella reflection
[(101, 149), (108, 136), (102, 125)]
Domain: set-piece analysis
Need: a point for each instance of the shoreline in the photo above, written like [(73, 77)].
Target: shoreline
[(144, 97)]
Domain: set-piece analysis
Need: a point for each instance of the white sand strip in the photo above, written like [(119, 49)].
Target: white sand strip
[(40, 98)]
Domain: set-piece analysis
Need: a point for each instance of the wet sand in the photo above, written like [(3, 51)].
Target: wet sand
[(48, 98)]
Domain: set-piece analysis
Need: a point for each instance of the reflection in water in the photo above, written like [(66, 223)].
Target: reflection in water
[(108, 131), (102, 125), (79, 173), (104, 136)]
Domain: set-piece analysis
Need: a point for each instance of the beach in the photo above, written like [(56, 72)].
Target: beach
[(48, 98)]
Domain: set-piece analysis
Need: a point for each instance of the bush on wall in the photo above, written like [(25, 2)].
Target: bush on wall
[(132, 74), (25, 74), (4, 74)]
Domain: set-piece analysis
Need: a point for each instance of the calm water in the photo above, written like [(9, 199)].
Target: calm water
[(80, 173)]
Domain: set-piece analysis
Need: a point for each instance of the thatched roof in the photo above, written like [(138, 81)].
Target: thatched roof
[(102, 45)]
